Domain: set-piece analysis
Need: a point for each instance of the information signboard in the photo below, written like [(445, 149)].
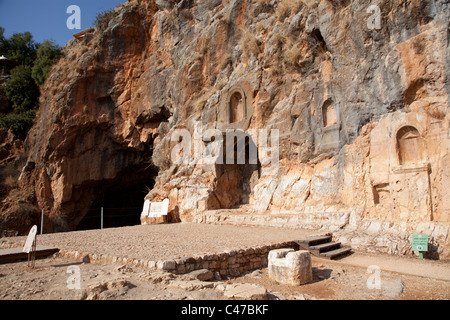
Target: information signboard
[(420, 243)]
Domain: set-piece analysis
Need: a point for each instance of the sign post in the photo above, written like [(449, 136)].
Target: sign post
[(30, 247), (420, 243), (42, 221)]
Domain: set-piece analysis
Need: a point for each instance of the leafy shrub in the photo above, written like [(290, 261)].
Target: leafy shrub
[(103, 18), (18, 123), (20, 47), (47, 54), (21, 89)]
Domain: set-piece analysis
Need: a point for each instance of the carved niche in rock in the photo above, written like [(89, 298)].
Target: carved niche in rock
[(236, 108), (409, 146), (329, 114), (330, 137)]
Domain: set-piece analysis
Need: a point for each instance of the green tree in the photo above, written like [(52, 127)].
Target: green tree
[(18, 123), (47, 54), (2, 31), (4, 45), (21, 89), (20, 47)]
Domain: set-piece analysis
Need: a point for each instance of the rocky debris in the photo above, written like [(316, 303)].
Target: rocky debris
[(202, 275), (190, 285), (106, 290), (159, 277), (302, 297), (123, 269), (49, 281), (245, 291), (256, 274), (392, 288)]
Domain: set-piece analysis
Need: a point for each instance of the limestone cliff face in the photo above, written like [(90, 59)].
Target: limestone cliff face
[(361, 108)]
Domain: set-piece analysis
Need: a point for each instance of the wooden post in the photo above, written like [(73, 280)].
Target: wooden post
[(42, 221), (32, 256)]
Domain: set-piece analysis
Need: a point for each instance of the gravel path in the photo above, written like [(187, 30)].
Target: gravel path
[(166, 241)]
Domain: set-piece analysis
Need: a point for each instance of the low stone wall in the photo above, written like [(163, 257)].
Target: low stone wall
[(349, 228), (230, 263)]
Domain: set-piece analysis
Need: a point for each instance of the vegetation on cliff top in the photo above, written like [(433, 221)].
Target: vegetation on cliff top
[(33, 64), (103, 18)]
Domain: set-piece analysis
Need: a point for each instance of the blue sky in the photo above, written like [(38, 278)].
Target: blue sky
[(46, 19)]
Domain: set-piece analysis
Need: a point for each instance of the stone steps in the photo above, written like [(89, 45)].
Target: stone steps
[(323, 247)]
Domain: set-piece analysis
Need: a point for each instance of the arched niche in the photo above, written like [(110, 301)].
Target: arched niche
[(329, 114), (236, 107), (410, 149)]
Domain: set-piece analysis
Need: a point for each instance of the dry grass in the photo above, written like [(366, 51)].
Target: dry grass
[(250, 45), (287, 8), (200, 103), (292, 53), (161, 160), (11, 182), (9, 176), (226, 60), (225, 2), (9, 170)]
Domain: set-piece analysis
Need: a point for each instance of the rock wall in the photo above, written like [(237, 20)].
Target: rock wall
[(363, 122), (362, 114)]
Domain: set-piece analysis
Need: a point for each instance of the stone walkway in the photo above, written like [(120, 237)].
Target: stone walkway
[(433, 269), (179, 241), (165, 241)]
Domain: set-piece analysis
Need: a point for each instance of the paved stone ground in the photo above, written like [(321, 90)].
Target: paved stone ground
[(401, 277), (165, 241)]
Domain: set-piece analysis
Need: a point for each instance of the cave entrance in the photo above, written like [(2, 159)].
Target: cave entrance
[(121, 203)]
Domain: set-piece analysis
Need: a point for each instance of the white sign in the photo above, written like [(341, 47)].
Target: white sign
[(155, 209), (30, 240), (146, 209)]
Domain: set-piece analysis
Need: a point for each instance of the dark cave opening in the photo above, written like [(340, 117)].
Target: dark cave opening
[(121, 203)]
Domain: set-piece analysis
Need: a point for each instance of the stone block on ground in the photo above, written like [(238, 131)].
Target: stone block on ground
[(245, 291), (202, 275), (290, 267)]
